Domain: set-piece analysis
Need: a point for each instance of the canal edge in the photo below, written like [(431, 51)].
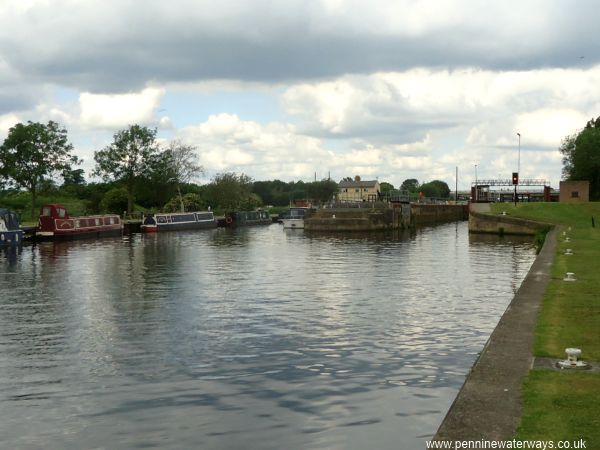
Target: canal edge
[(489, 405)]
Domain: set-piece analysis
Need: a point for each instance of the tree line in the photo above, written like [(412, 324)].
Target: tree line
[(136, 172)]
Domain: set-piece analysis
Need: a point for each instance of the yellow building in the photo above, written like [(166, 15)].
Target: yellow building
[(358, 191)]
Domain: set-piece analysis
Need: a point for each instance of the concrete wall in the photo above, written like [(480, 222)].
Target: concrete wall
[(353, 219), (430, 214), (498, 224), (574, 191), (373, 219)]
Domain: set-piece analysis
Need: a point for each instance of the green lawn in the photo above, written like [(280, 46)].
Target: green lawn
[(570, 315), (566, 405), (561, 406)]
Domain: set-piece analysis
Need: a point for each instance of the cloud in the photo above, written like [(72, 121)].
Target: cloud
[(116, 46), (7, 121), (545, 105), (399, 88), (116, 111), (227, 143)]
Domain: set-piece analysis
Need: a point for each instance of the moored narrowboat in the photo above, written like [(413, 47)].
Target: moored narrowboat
[(10, 233), (243, 218), (178, 221), (294, 217), (56, 224)]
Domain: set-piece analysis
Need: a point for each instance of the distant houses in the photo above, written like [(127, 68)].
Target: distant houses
[(358, 191)]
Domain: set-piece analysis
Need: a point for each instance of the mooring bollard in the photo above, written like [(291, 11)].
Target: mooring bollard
[(572, 361), (570, 277)]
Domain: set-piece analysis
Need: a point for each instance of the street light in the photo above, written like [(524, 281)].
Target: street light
[(518, 168), (519, 159), (475, 183)]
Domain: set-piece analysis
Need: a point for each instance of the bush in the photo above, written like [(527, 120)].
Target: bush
[(114, 201), (191, 202)]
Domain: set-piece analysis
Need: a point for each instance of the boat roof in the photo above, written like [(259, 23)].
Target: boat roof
[(11, 219), (181, 213)]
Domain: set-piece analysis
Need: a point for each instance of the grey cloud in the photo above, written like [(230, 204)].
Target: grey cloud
[(121, 46)]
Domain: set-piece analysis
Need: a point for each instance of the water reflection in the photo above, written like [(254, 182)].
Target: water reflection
[(248, 338)]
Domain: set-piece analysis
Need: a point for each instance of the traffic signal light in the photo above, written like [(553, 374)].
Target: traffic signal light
[(515, 178)]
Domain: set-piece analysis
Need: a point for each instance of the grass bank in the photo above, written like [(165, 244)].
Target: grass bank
[(566, 405)]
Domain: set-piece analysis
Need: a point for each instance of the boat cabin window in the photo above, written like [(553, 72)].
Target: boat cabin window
[(61, 212), (205, 216), (178, 218), (46, 211)]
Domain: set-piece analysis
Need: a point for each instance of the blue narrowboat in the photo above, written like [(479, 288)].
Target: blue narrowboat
[(10, 233), (178, 221)]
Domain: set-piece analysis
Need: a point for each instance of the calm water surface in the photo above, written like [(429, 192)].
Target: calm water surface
[(257, 338)]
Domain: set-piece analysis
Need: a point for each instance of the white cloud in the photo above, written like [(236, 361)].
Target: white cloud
[(466, 117), (7, 121), (541, 100), (549, 126), (119, 110), (227, 143)]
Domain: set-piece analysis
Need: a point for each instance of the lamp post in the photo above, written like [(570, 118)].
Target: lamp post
[(518, 168), (519, 157), (456, 186), (475, 183)]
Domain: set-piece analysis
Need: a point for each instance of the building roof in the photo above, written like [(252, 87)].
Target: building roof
[(359, 184)]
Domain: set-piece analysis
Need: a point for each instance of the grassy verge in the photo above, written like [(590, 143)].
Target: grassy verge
[(561, 406), (566, 405), (74, 206)]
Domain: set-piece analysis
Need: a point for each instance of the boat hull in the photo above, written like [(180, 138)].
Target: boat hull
[(293, 224), (11, 237), (160, 227), (75, 234)]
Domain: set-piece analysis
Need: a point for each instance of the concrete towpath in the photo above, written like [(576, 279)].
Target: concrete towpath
[(488, 406)]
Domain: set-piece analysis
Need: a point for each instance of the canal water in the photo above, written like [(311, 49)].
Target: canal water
[(256, 338)]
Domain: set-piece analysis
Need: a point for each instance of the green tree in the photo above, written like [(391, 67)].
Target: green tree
[(32, 153), (274, 192), (321, 191), (435, 189), (74, 177), (410, 185), (229, 191), (114, 201), (74, 182), (251, 202), (183, 167), (191, 202), (384, 186), (130, 158), (581, 157)]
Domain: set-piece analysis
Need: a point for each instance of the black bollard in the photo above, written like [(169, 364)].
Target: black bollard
[(593, 224)]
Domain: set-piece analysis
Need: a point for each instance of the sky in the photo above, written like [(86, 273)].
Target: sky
[(298, 89)]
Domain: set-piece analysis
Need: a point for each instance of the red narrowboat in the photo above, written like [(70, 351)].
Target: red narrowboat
[(56, 224)]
